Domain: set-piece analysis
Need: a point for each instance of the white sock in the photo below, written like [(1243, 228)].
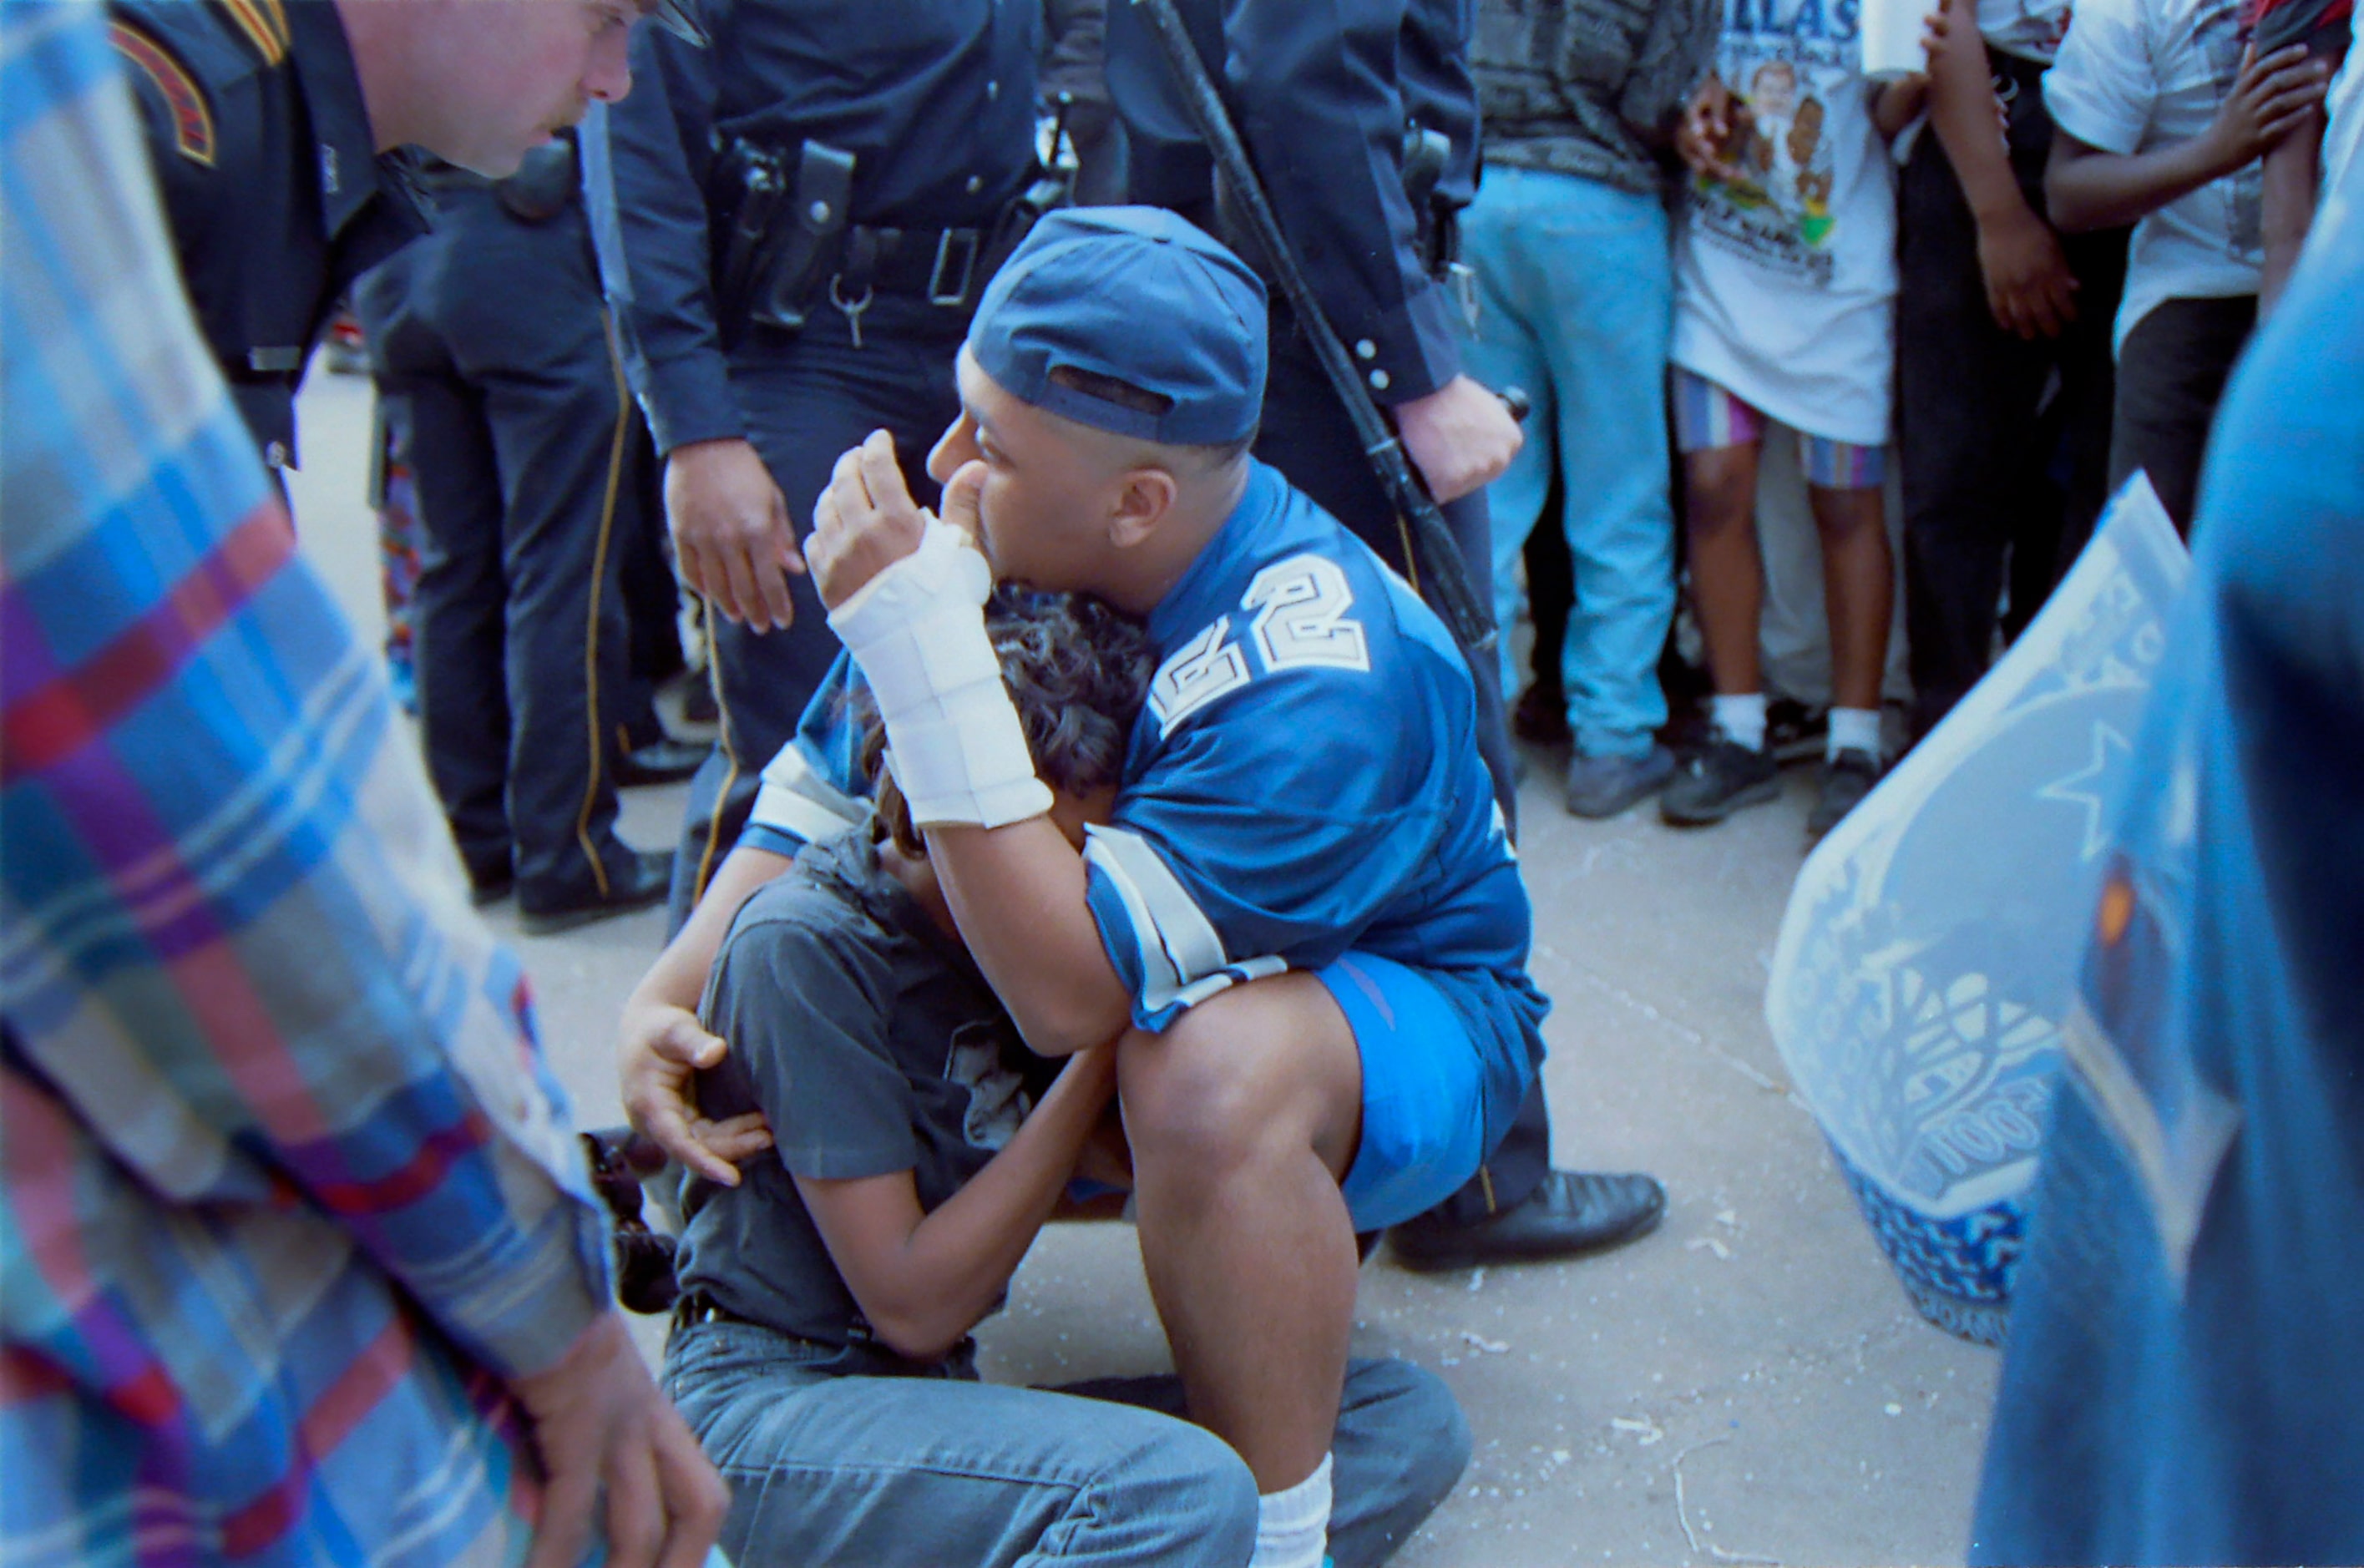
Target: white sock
[(1293, 1526), (1853, 729), (1741, 719)]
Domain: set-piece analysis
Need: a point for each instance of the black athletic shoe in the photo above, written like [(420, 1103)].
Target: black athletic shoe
[(1847, 779), (1714, 783)]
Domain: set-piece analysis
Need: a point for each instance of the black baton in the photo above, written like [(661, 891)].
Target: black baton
[(1439, 565)]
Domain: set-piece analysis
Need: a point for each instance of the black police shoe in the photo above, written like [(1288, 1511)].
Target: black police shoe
[(490, 878), (1540, 716), (643, 878), (1570, 1212), (659, 762)]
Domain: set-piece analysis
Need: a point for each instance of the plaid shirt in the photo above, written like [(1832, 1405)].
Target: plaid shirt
[(287, 1191)]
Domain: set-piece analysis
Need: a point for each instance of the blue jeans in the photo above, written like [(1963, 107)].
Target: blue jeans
[(1576, 291), (930, 1471)]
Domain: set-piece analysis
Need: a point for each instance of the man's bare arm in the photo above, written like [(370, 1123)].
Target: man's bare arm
[(2088, 187)]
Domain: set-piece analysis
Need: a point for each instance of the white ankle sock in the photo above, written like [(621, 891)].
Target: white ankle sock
[(1293, 1525), (1853, 729), (1742, 719)]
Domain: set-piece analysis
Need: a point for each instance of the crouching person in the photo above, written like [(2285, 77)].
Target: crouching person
[(821, 1349)]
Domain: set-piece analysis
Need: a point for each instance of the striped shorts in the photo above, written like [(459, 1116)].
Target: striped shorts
[(1707, 417)]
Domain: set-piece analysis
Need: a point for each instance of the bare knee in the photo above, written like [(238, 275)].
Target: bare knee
[(1719, 489), (1253, 1074), (1192, 1098), (1844, 517)]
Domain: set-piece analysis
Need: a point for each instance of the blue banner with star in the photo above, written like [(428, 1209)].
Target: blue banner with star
[(1930, 952)]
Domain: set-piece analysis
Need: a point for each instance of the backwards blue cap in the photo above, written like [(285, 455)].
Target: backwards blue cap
[(1137, 294)]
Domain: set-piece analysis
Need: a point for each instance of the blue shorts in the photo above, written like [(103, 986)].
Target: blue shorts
[(1423, 1091)]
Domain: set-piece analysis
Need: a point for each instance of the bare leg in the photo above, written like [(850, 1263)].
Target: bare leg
[(1242, 1117), (1858, 588), (1727, 577)]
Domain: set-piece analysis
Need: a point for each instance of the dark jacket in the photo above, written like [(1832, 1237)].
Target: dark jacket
[(271, 179)]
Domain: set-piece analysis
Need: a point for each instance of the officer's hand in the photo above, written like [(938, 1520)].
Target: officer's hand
[(730, 533), (1460, 437), (613, 1447), (660, 1049), (864, 522)]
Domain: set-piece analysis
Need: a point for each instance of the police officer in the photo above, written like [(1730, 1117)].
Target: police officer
[(795, 226), (267, 148), (1362, 123), (494, 357)]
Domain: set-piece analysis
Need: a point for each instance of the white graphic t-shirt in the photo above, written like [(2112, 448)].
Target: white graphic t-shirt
[(2135, 74), (2030, 29), (1785, 279)]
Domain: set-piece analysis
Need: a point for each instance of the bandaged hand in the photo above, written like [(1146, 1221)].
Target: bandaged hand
[(907, 593)]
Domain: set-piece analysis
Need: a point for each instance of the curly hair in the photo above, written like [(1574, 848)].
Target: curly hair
[(1077, 671)]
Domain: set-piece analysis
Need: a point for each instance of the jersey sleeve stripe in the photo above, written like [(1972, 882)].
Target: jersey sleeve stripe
[(795, 798), (1178, 944)]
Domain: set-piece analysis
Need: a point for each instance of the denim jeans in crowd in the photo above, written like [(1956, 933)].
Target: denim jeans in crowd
[(1576, 307), (929, 1470)]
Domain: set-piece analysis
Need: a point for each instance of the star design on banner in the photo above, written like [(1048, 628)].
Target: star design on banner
[(2087, 786)]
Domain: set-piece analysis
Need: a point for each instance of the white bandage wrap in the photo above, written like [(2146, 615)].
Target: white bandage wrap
[(918, 631)]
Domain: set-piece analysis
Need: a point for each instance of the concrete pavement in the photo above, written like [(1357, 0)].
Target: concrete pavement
[(1747, 1385)]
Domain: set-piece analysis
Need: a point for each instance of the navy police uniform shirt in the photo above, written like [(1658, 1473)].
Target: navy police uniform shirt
[(1322, 97), (1305, 781), (935, 98), (271, 179)]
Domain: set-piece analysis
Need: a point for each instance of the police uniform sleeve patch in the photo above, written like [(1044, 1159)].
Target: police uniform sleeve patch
[(192, 117), (265, 25)]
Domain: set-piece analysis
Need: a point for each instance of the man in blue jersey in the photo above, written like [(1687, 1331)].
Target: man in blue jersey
[(1304, 924)]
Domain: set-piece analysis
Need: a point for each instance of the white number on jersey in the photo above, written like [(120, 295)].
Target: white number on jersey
[(1301, 620), (1302, 606), (1200, 670)]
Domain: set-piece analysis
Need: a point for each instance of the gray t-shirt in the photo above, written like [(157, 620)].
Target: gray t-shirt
[(868, 1039)]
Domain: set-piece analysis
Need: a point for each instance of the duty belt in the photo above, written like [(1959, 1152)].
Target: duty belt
[(938, 265)]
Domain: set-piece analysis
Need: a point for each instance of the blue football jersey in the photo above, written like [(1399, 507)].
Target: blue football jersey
[(1304, 781)]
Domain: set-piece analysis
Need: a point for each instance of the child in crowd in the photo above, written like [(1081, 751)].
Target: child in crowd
[(1785, 285), (2004, 366), (821, 1346), (2162, 114)]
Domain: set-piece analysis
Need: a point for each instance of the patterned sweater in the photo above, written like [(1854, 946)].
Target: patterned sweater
[(1589, 86)]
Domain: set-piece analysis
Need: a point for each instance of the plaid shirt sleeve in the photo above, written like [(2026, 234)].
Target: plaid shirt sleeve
[(278, 1136)]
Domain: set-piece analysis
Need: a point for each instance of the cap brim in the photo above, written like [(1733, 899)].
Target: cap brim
[(674, 17)]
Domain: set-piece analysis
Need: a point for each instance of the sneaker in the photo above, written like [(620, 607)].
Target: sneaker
[(1717, 781), (1603, 787), (1847, 779), (1794, 732)]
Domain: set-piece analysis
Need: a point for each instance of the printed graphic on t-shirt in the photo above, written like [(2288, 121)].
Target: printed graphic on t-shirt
[(1787, 62)]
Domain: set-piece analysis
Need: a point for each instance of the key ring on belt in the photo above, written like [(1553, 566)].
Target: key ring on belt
[(852, 312)]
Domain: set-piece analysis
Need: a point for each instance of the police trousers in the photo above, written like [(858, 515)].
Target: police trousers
[(493, 350)]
